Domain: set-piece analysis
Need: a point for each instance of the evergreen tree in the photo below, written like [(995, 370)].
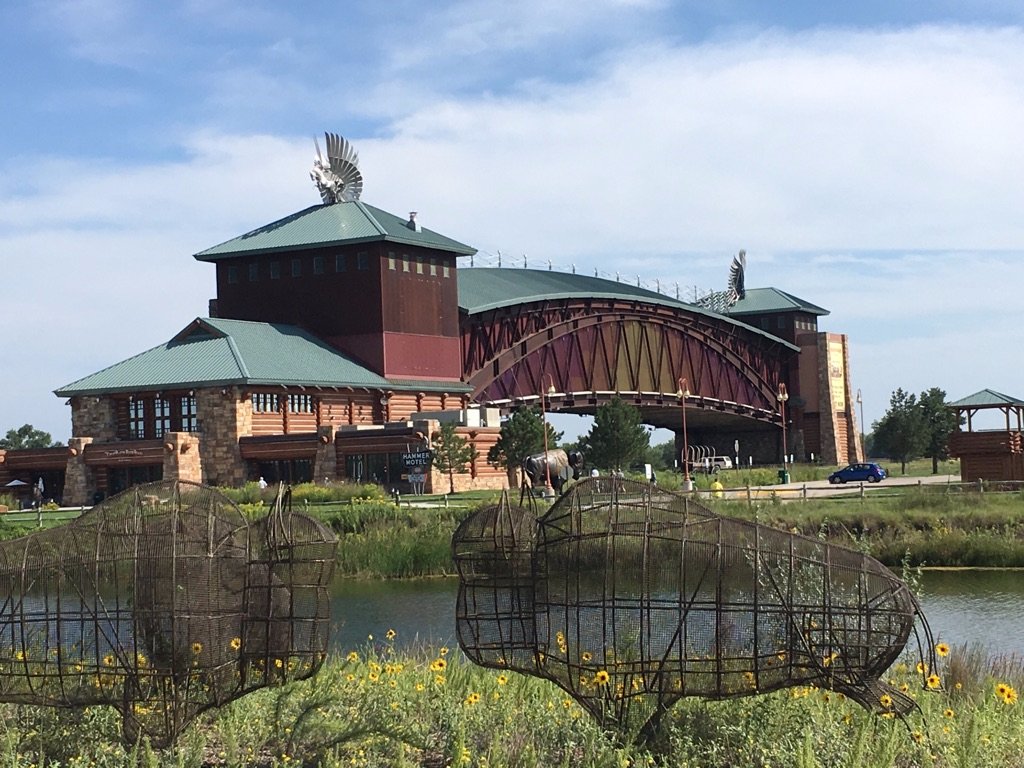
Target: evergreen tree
[(27, 436), (452, 453), (618, 437), (522, 435), (940, 421), (901, 434)]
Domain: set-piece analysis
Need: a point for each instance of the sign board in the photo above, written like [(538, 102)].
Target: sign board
[(417, 459)]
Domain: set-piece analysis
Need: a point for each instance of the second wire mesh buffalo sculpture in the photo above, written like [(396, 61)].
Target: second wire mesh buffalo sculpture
[(163, 601), (634, 598)]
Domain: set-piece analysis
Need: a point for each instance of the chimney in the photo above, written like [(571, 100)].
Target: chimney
[(412, 223)]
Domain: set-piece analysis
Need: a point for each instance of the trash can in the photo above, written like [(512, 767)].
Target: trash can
[(783, 476)]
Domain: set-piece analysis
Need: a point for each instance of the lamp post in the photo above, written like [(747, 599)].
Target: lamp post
[(860, 402), (682, 394), (783, 396), (548, 491)]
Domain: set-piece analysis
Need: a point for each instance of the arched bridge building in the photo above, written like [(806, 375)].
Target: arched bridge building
[(342, 336)]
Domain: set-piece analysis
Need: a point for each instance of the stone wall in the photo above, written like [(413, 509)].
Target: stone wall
[(224, 416), (94, 417)]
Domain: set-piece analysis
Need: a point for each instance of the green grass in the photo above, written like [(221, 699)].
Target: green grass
[(382, 707)]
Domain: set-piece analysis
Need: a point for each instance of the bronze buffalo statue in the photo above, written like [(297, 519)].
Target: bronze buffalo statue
[(561, 467), (633, 599), (163, 601)]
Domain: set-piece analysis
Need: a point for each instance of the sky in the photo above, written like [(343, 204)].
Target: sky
[(867, 156)]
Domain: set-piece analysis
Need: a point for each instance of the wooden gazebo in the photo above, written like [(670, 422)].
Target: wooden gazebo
[(989, 454)]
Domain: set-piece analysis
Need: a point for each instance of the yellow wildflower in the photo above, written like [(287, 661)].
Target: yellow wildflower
[(602, 676), (942, 649)]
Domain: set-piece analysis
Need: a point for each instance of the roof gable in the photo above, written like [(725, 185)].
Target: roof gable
[(986, 398), (336, 224), (763, 300), (216, 352)]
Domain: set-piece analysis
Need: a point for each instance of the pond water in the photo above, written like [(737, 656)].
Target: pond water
[(962, 606)]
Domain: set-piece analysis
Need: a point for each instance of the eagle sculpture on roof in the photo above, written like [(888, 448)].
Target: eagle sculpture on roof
[(338, 178), (723, 301)]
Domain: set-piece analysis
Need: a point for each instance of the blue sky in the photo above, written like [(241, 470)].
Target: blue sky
[(866, 155)]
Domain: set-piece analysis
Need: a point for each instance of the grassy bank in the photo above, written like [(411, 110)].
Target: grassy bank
[(978, 530), (379, 707)]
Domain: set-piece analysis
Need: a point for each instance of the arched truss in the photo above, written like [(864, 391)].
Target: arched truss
[(591, 350)]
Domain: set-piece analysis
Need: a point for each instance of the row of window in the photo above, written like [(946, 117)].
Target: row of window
[(266, 402), (272, 269), (151, 418)]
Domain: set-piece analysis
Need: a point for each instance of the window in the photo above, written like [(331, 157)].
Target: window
[(136, 419), (275, 270), (188, 413), (254, 272), (405, 262), (419, 265), (296, 267), (391, 261), (300, 403), (433, 266), (264, 402), (232, 275), (362, 261), (339, 263), (445, 271), (162, 417), (782, 322), (318, 265)]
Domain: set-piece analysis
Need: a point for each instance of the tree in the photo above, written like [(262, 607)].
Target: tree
[(522, 435), (618, 437), (901, 434), (27, 436), (452, 453), (662, 455), (939, 420)]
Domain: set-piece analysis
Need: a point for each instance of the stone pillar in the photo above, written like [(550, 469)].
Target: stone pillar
[(224, 417), (182, 457), (325, 466), (79, 480)]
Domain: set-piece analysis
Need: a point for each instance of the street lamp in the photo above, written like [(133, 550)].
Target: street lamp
[(783, 396), (682, 394), (860, 402), (544, 418)]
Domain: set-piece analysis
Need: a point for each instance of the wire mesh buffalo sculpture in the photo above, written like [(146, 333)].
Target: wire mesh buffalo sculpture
[(163, 601), (632, 599)]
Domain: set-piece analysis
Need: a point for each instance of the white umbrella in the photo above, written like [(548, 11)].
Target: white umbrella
[(16, 484)]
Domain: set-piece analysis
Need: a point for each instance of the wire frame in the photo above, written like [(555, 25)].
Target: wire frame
[(163, 601), (636, 597)]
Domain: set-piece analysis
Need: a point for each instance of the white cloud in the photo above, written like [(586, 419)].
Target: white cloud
[(875, 174)]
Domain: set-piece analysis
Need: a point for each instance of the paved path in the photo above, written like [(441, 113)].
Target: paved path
[(823, 489)]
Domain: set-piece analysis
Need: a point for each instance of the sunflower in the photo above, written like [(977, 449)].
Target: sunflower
[(922, 668), (933, 681), (438, 665), (1010, 697), (236, 643), (1001, 689), (197, 648), (948, 712), (352, 656), (885, 700), (502, 679), (390, 634), (473, 698), (586, 656), (602, 677), (942, 649)]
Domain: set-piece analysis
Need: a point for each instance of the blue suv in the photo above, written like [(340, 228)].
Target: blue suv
[(858, 473)]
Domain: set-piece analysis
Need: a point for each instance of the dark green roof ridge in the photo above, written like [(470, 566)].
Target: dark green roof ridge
[(986, 397)]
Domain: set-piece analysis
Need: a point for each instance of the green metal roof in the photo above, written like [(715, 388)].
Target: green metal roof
[(759, 301), (482, 289), (335, 224), (216, 352), (485, 288), (986, 398)]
